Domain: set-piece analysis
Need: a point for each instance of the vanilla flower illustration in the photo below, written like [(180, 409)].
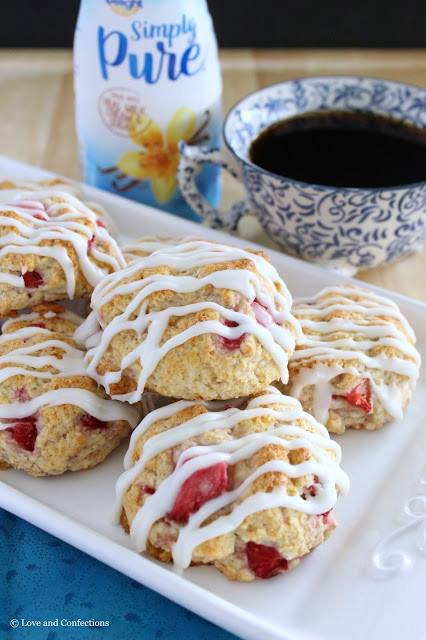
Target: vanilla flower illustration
[(158, 159)]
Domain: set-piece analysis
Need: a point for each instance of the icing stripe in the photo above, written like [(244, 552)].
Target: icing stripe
[(277, 337), (65, 221), (372, 328), (68, 362), (103, 409), (150, 244), (324, 464)]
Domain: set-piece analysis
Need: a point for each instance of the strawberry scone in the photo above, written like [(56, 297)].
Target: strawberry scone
[(357, 366), (193, 321), (52, 246), (145, 246), (249, 490), (53, 416), (8, 187)]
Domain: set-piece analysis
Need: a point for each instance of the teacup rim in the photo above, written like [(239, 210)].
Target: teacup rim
[(302, 183)]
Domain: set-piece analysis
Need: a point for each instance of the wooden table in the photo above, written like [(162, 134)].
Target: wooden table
[(37, 115)]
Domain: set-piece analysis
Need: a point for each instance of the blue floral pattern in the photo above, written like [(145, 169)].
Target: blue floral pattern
[(349, 229), (357, 228)]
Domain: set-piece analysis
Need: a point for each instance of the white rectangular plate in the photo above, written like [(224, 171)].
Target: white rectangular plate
[(336, 593)]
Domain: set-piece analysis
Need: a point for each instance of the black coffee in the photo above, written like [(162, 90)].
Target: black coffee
[(343, 149)]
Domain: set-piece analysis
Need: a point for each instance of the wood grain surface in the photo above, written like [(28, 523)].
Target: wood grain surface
[(37, 116)]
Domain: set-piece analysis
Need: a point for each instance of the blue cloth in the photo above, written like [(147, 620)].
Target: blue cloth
[(43, 578)]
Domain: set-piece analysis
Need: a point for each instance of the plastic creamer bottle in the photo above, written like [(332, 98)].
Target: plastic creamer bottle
[(146, 76)]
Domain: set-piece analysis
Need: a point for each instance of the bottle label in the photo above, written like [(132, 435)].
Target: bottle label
[(146, 76), (162, 60)]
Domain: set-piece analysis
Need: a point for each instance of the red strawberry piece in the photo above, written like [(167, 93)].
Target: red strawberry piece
[(147, 489), (264, 561), (229, 343), (360, 396), (90, 422), (91, 242), (41, 325), (33, 206), (21, 395), (33, 279), (202, 486), (100, 223), (25, 433), (263, 316), (327, 513), (311, 490)]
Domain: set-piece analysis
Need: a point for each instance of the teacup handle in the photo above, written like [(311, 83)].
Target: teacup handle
[(190, 158)]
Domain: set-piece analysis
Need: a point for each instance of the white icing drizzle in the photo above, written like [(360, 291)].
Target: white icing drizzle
[(65, 315), (70, 362), (26, 187), (145, 246), (104, 216), (103, 409), (324, 464), (318, 354), (277, 336), (61, 222), (88, 330)]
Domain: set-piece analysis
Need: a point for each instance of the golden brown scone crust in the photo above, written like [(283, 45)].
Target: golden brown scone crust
[(292, 533), (55, 321), (63, 442), (343, 415), (148, 244), (54, 284), (200, 368), (60, 183)]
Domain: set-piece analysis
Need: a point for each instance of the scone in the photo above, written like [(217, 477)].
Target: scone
[(145, 246), (249, 490), (197, 320), (52, 246), (357, 366), (8, 187), (53, 416)]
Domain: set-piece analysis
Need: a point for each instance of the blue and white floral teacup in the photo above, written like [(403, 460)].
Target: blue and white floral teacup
[(343, 228)]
